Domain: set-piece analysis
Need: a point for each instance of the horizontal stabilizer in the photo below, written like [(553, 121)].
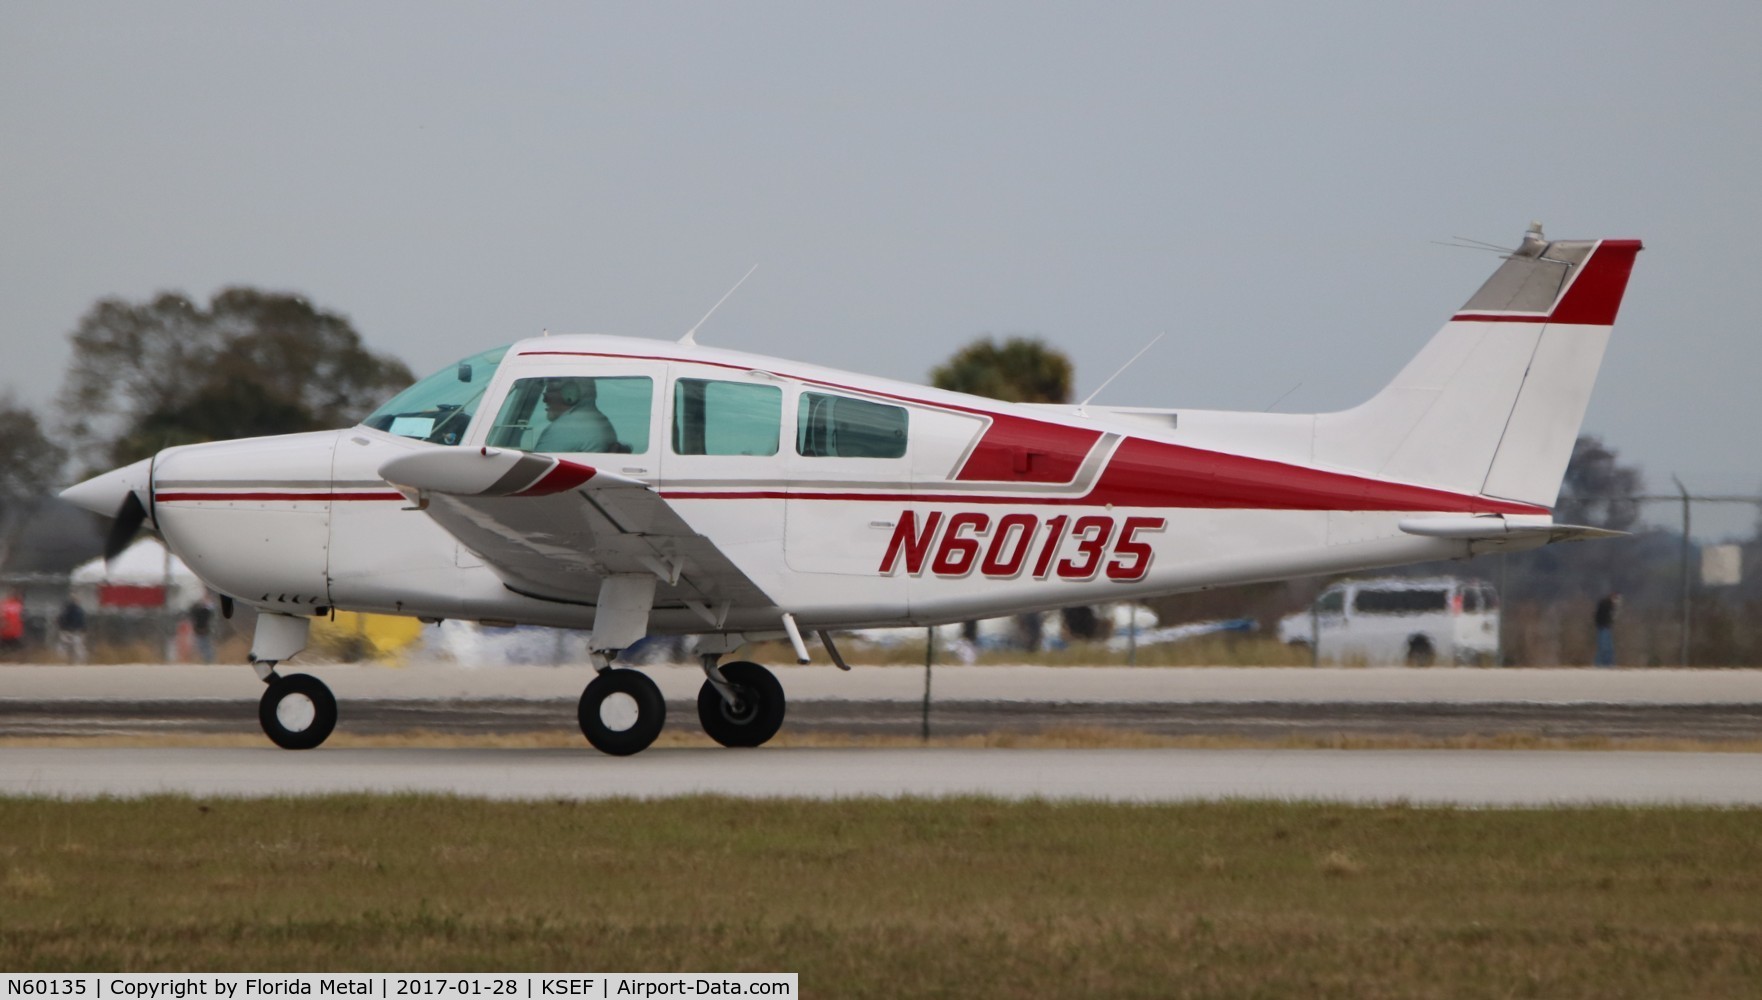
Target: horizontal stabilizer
[(1498, 527)]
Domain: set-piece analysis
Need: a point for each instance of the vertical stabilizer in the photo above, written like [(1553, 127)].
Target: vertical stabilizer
[(1493, 403)]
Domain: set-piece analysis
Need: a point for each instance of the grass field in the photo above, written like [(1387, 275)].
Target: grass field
[(902, 898)]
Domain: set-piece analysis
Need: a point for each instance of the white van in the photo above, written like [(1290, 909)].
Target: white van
[(1416, 621)]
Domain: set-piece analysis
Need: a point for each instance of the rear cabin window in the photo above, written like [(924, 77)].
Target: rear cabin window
[(576, 414), (726, 418), (1400, 602), (829, 426)]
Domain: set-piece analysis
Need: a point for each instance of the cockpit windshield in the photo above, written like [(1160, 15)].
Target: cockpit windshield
[(438, 408)]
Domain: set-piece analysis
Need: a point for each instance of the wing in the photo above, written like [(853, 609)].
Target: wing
[(554, 529)]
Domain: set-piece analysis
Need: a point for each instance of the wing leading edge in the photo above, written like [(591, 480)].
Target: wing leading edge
[(555, 529)]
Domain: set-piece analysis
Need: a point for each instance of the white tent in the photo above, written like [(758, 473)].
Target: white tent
[(146, 563)]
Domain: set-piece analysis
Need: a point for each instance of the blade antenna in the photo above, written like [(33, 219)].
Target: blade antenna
[(1282, 395), (1122, 370), (1464, 243), (691, 334), (1502, 248)]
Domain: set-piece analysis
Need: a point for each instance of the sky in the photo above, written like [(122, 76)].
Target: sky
[(1266, 183)]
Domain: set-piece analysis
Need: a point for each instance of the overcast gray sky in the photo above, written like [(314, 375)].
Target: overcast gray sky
[(1262, 181)]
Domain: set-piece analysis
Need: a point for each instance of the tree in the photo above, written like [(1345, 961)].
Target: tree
[(148, 375), (1598, 490), (29, 462), (1020, 370)]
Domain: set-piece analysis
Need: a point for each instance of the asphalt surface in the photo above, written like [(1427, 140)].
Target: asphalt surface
[(1256, 703)]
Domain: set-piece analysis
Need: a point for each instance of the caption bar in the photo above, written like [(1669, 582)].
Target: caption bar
[(512, 985)]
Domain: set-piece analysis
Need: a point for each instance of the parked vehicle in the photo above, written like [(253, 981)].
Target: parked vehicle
[(1418, 622)]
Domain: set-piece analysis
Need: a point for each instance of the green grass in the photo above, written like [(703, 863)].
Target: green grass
[(959, 898)]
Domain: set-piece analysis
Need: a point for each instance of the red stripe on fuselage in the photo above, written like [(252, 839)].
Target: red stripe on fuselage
[(1016, 449), (1157, 474)]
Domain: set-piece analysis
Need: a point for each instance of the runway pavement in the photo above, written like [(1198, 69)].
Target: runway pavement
[(1070, 685), (1464, 778), (1258, 703), (1264, 702)]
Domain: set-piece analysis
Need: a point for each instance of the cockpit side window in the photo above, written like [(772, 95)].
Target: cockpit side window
[(576, 414), (438, 408)]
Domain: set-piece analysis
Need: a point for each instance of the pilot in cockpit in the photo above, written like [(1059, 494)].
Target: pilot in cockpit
[(576, 423)]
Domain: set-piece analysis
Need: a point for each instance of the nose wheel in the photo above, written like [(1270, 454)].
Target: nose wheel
[(297, 712), (756, 712), (621, 712)]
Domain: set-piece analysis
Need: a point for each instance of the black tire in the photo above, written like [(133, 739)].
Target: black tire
[(283, 712), (1420, 652), (757, 716), (618, 736)]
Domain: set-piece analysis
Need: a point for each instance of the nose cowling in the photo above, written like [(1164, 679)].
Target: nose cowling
[(105, 494)]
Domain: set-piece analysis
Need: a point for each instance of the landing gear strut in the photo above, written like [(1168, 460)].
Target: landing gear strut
[(741, 704)]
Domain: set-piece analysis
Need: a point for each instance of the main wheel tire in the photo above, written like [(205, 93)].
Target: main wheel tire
[(621, 712), (757, 714), (1420, 652), (297, 712)]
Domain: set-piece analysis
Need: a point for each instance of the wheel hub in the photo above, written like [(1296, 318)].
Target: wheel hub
[(743, 710), (296, 713), (619, 712)]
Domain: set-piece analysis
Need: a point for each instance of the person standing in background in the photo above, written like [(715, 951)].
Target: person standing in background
[(1604, 619), (70, 631), (202, 627)]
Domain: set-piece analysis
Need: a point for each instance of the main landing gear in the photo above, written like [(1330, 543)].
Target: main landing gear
[(741, 704), (622, 711)]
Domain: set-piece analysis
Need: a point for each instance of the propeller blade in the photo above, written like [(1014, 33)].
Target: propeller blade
[(129, 518)]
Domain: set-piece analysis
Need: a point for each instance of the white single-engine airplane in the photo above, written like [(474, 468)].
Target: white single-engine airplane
[(637, 487)]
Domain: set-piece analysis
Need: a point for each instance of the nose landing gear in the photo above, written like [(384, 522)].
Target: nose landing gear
[(297, 712)]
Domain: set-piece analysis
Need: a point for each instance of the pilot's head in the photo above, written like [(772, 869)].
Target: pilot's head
[(563, 393)]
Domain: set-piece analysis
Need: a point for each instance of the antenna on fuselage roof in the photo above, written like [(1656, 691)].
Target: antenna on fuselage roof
[(691, 334), (1122, 370)]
